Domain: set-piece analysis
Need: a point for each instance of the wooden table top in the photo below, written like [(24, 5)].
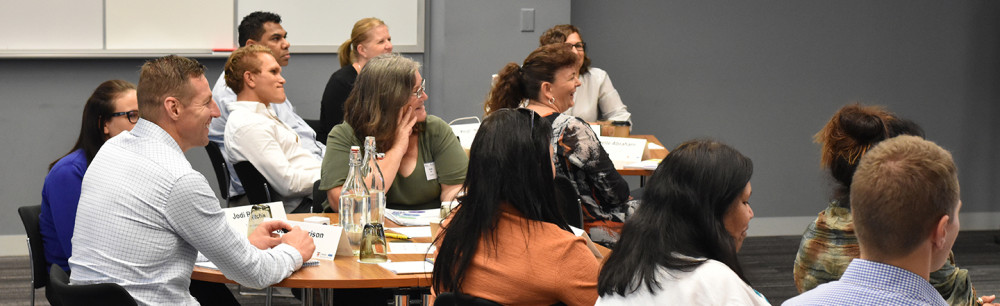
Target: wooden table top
[(342, 272), (647, 154), (345, 271)]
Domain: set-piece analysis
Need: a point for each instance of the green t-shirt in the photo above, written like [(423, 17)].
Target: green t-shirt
[(437, 145)]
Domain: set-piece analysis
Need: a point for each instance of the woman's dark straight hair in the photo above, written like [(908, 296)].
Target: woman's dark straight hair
[(96, 113), (680, 218), (509, 164)]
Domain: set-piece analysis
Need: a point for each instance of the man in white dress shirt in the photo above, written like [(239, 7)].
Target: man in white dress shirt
[(144, 213), (254, 132), (260, 28)]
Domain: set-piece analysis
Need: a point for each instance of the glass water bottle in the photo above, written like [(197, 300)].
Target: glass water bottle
[(354, 201), (373, 247)]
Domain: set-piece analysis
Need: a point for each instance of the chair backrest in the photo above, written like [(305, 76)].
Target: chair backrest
[(319, 196), (257, 188), (568, 201), (459, 299), (95, 294), (219, 165), (29, 216)]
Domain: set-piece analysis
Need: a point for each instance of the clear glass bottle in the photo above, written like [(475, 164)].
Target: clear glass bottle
[(373, 246), (375, 181), (258, 212), (354, 201)]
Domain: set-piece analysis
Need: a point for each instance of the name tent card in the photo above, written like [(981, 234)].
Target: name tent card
[(239, 217), (623, 150), (330, 240)]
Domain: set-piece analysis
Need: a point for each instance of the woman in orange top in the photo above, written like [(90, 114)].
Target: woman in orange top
[(507, 242)]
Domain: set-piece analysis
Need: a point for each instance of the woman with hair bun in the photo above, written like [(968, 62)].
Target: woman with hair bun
[(829, 243), (369, 38), (545, 83)]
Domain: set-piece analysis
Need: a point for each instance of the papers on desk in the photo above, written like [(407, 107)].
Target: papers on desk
[(413, 217), (649, 164), (410, 248), (413, 231), (408, 267), (206, 264)]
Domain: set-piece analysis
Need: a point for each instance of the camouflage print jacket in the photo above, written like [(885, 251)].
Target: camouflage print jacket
[(829, 244)]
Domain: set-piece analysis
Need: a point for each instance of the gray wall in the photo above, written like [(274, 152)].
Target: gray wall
[(42, 99), (764, 76), (472, 40)]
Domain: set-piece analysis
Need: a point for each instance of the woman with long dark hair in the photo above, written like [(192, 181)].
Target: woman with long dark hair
[(507, 241), (829, 243), (679, 248), (545, 83), (110, 110)]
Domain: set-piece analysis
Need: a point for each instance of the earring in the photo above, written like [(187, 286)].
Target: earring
[(552, 101)]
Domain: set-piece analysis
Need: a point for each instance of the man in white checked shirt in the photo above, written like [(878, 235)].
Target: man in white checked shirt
[(144, 213)]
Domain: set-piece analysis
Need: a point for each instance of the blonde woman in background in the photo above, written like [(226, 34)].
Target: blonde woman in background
[(369, 38)]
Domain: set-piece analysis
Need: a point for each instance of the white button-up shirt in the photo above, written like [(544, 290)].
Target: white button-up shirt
[(222, 95), (255, 134)]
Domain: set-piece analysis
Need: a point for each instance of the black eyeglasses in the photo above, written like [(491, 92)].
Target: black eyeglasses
[(133, 116), (580, 46)]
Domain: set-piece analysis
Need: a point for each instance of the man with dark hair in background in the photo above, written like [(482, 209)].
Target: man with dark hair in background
[(260, 28)]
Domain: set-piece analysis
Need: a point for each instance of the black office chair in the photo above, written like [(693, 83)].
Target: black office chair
[(221, 170), (96, 294), (36, 251), (315, 124), (256, 186), (319, 196), (459, 299), (568, 201)]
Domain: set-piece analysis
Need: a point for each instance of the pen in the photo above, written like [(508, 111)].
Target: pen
[(397, 236)]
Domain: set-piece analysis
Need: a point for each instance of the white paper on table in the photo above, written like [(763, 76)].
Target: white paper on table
[(413, 217), (654, 146), (413, 231), (206, 264), (411, 248), (408, 267)]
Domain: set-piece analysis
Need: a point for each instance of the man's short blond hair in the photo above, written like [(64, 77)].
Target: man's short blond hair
[(164, 77), (242, 60), (901, 189)]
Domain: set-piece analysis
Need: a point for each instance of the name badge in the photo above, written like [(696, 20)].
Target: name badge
[(431, 171)]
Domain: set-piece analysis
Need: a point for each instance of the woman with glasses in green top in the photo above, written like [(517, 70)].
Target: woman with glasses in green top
[(424, 163)]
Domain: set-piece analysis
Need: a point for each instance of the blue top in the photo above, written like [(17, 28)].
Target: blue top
[(60, 195), (872, 283)]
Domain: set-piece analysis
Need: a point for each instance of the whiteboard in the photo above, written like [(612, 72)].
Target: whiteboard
[(168, 25), (51, 25), (321, 26), (147, 28)]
